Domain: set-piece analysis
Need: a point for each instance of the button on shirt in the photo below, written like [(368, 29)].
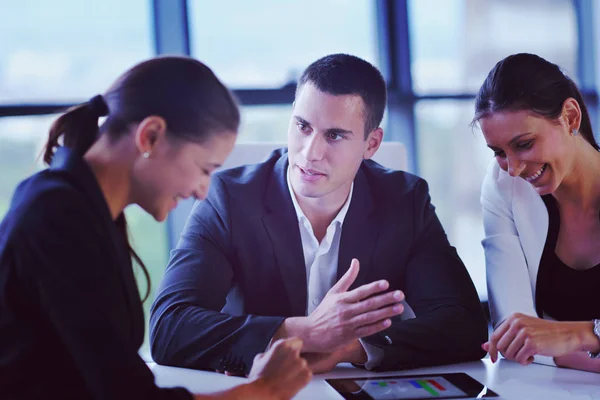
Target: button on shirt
[(321, 261)]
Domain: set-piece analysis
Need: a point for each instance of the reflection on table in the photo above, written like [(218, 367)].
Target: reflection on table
[(510, 380)]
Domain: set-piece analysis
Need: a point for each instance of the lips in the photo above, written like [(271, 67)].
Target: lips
[(536, 176), (310, 172)]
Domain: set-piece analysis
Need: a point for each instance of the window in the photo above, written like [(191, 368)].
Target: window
[(149, 239), (265, 123), (69, 50), (21, 142), (268, 43), (453, 159), (455, 43)]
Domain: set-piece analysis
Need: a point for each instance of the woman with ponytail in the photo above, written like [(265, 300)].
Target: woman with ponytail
[(71, 319), (541, 213)]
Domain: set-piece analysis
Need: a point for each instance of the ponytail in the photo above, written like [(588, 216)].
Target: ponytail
[(78, 128)]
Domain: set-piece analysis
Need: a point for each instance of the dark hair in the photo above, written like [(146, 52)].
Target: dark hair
[(183, 91), (343, 74), (528, 82)]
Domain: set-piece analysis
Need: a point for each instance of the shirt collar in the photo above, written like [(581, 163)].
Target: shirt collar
[(300, 214)]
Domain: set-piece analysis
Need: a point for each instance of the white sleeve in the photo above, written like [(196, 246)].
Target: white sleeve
[(508, 282), (374, 355)]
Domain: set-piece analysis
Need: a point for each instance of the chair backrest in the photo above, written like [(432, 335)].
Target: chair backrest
[(390, 154)]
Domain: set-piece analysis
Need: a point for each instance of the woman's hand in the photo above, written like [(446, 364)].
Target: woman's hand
[(324, 362), (520, 337), (280, 372)]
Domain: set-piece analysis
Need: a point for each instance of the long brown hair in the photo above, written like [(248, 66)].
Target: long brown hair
[(186, 93)]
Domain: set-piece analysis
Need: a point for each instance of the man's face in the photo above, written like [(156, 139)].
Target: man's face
[(326, 143)]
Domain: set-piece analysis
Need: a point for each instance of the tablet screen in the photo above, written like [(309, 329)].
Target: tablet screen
[(398, 388), (430, 386)]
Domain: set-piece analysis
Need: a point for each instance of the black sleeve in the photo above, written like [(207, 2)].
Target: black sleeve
[(65, 255), (187, 328), (450, 325)]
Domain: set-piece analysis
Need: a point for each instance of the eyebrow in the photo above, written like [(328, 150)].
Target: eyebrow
[(336, 131), (513, 140)]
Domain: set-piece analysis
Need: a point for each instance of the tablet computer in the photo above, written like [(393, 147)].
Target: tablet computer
[(400, 387)]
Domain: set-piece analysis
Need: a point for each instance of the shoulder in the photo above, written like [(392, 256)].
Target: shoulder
[(392, 183), (252, 179), (47, 197)]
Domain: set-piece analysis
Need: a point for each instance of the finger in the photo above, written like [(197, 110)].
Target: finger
[(295, 344), (364, 291), (375, 316), (348, 279), (493, 342), (377, 302), (486, 346), (514, 347), (368, 330), (525, 355), (506, 340)]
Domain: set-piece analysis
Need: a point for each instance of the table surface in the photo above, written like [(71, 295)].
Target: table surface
[(510, 380)]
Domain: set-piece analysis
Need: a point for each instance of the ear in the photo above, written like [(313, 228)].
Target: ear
[(571, 112), (149, 133), (373, 142)]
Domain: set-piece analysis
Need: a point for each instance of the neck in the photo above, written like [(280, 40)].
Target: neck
[(109, 164), (321, 211), (581, 189)]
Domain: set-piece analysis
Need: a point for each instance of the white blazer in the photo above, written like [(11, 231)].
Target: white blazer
[(515, 220)]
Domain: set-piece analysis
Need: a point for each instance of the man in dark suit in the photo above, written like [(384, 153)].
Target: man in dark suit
[(260, 257)]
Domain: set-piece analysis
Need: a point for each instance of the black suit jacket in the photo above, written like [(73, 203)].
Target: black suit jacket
[(238, 271), (71, 320)]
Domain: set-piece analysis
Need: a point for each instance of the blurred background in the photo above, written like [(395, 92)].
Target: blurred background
[(434, 55)]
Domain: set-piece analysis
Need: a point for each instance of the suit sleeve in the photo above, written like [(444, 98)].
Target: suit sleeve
[(450, 325), (71, 281), (508, 282), (187, 327)]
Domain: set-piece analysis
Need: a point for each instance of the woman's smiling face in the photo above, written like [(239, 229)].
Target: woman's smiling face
[(532, 147)]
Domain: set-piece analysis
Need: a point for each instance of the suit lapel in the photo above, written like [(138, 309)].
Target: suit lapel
[(359, 231), (281, 224)]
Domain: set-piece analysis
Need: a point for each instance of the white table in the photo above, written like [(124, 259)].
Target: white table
[(510, 380)]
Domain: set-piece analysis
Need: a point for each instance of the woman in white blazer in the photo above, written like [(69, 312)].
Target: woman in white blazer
[(541, 211)]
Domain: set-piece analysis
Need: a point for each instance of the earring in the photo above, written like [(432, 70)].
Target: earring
[(575, 132), (146, 154)]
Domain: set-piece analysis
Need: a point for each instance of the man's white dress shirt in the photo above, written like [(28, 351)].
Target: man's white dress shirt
[(321, 261)]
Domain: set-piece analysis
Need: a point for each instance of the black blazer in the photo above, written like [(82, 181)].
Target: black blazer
[(238, 271), (71, 320)]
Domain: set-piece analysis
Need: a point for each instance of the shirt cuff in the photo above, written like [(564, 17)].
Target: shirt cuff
[(374, 355)]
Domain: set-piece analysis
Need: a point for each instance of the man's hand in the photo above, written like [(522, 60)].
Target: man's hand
[(345, 316), (520, 337)]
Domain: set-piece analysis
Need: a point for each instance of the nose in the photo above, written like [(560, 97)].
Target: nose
[(314, 147), (515, 166)]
